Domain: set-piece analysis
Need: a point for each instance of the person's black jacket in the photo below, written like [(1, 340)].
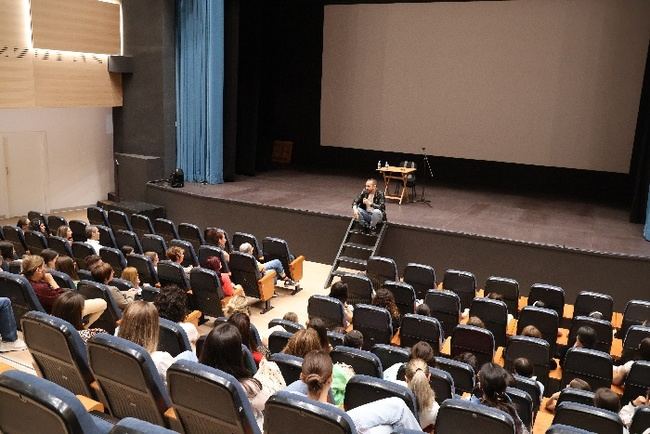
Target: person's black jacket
[(378, 202)]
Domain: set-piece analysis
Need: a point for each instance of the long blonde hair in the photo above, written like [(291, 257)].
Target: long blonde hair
[(131, 274), (418, 381), (140, 324)]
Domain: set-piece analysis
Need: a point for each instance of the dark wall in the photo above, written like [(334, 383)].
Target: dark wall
[(145, 123), (318, 236)]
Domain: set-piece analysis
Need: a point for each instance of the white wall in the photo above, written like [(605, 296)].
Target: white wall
[(79, 143)]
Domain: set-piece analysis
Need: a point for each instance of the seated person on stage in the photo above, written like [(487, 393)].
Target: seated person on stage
[(274, 264), (370, 207)]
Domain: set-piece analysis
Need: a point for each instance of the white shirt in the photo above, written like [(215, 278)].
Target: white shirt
[(95, 244), (163, 360), (191, 331)]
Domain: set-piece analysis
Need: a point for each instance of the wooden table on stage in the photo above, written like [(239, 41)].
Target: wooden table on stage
[(398, 174)]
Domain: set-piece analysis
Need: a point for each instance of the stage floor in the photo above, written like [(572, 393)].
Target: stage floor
[(534, 218)]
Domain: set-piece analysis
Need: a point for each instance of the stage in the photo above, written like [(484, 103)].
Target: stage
[(577, 244)]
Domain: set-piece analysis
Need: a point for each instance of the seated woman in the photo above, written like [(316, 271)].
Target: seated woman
[(421, 350), (67, 265), (23, 223), (214, 263), (49, 256), (621, 372), (275, 264), (177, 255), (302, 342), (131, 274), (576, 383), (217, 237), (8, 254), (384, 298), (103, 273), (38, 226), (243, 324), (492, 383), (141, 325), (386, 415), (417, 379), (171, 303), (69, 306), (47, 290), (223, 350), (339, 291), (65, 232), (154, 258)]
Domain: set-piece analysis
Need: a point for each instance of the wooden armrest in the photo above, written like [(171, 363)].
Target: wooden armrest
[(617, 348), (511, 329), (193, 317), (266, 285), (544, 418), (557, 372), (523, 302), (396, 339), (172, 419), (498, 357), (4, 367), (446, 346), (618, 389), (617, 320), (562, 336), (295, 268), (90, 404), (568, 311)]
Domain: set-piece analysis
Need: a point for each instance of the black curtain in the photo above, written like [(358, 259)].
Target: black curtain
[(640, 165)]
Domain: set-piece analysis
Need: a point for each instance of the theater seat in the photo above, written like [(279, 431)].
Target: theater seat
[(588, 418), (16, 237), (637, 382), (278, 340), (154, 243), (141, 225), (285, 409), (29, 404), (588, 302), (146, 270), (523, 402), (207, 291), (462, 283), (508, 289), (277, 248), (173, 338), (363, 362), (462, 373), (374, 323), (569, 394), (475, 340), (128, 379), (81, 250), (635, 334), (35, 241), (78, 228), (190, 257), (166, 229), (289, 326), (363, 389), (54, 222), (416, 328), (20, 292), (595, 367), (207, 251), (128, 238), (390, 354), (245, 273), (119, 220), (109, 318), (239, 238), (379, 269), (170, 273), (603, 329), (636, 312), (640, 420), (106, 236), (191, 233), (460, 416), (404, 295), (62, 279), (329, 309), (114, 257), (290, 366), (59, 353), (552, 297), (440, 381), (360, 288), (421, 277), (445, 307), (534, 349), (97, 216), (209, 400), (547, 322), (494, 314), (60, 245)]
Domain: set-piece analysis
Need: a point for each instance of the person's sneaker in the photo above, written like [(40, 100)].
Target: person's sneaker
[(289, 282), (16, 345)]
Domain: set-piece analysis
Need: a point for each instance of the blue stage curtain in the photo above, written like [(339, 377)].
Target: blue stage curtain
[(199, 89)]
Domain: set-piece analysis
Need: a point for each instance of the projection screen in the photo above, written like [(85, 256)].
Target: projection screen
[(543, 82)]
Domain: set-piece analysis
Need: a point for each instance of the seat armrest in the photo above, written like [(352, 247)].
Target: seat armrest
[(295, 268), (193, 317), (172, 420), (90, 404), (266, 285)]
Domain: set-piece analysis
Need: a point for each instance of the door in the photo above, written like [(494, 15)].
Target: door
[(25, 172)]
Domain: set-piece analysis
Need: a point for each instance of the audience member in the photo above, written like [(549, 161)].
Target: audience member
[(384, 415), (223, 350), (621, 372), (492, 383), (468, 358), (243, 324), (339, 291), (318, 324), (92, 260), (65, 232), (353, 339), (49, 257), (274, 264), (177, 255), (576, 383), (384, 298), (532, 332), (476, 322), (130, 274), (23, 223), (140, 324), (585, 338), (37, 225), (217, 237), (153, 256), (69, 306), (302, 342), (421, 350), (214, 263), (103, 273), (423, 309), (171, 302), (8, 329), (47, 290), (607, 399), (67, 265), (497, 296), (92, 238), (522, 366), (126, 250), (628, 410), (417, 377), (7, 252)]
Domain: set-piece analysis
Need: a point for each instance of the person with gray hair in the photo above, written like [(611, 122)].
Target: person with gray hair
[(275, 265)]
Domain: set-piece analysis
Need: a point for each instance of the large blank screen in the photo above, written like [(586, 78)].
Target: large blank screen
[(543, 82)]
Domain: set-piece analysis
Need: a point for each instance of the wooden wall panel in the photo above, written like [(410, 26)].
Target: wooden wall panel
[(70, 82), (89, 26), (13, 22), (16, 82)]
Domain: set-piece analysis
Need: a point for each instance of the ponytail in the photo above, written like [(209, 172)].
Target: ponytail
[(417, 380)]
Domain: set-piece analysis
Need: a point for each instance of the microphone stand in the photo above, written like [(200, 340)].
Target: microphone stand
[(425, 163)]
